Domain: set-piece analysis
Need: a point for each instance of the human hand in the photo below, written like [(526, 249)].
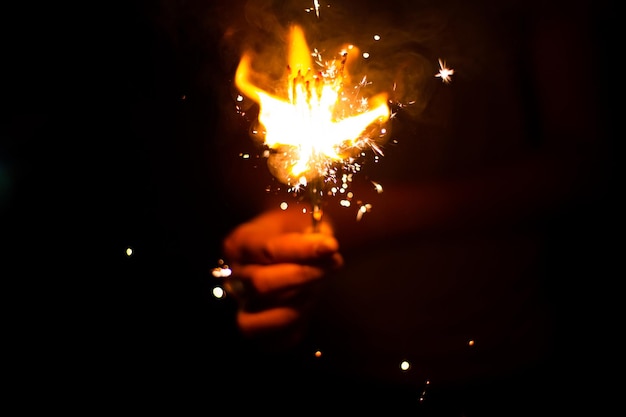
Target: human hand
[(277, 264)]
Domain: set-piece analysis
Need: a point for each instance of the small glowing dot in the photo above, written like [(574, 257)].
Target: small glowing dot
[(245, 155), (366, 55), (218, 292), (423, 394), (471, 343), (222, 270), (239, 97), (318, 353), (365, 208), (284, 205), (444, 73), (345, 203), (129, 251), (405, 365), (376, 37)]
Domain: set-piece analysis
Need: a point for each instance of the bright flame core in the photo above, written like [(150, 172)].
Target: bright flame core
[(316, 124)]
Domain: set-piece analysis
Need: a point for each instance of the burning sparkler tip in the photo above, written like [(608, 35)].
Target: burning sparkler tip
[(320, 126)]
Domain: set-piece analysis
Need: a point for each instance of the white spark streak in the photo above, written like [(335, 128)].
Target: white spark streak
[(316, 7), (444, 72)]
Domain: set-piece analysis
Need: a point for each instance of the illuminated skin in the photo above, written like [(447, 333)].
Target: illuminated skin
[(277, 259)]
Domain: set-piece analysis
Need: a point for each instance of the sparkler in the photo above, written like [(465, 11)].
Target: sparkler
[(315, 122)]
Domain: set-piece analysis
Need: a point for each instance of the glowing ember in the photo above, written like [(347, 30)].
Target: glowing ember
[(444, 72), (315, 122), (316, 7)]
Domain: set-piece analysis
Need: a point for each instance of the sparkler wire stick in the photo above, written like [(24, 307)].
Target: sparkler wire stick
[(315, 194)]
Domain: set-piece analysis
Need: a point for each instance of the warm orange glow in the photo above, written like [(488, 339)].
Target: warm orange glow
[(311, 123)]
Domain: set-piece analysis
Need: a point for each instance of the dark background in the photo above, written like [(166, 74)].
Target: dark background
[(109, 141)]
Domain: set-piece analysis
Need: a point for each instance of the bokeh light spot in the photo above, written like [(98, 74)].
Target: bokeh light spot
[(218, 292)]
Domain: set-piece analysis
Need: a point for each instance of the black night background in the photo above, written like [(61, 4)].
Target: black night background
[(113, 138)]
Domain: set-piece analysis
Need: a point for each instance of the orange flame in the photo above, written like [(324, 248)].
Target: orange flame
[(314, 125)]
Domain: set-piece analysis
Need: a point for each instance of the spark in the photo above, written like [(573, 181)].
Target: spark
[(378, 187), (222, 270), (323, 108), (316, 7), (444, 72), (365, 208), (218, 292), (376, 148)]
